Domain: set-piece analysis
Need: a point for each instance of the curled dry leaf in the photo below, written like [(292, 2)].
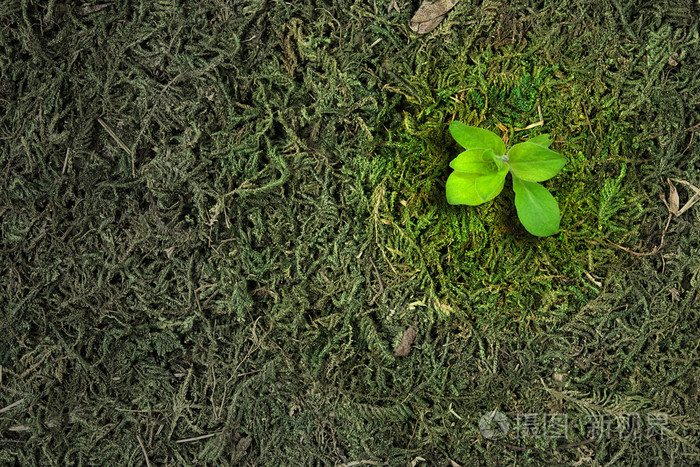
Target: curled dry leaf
[(673, 59), (89, 9), (409, 335), (430, 14), (673, 203), (675, 294), (673, 199)]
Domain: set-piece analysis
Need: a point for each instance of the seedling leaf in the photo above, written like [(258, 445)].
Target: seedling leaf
[(538, 211), (489, 186), (480, 173), (534, 162), (470, 137), (477, 161), (541, 140), (461, 189)]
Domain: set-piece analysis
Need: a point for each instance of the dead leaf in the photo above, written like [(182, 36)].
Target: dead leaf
[(89, 9), (393, 6), (673, 200), (675, 294), (409, 335), (430, 14), (244, 443), (691, 202), (673, 59)]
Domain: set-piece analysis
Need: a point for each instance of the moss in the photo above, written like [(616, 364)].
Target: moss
[(220, 218), (461, 250)]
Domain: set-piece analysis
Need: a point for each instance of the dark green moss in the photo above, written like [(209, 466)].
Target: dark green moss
[(218, 219)]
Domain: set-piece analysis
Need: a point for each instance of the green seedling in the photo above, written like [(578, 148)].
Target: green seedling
[(480, 174)]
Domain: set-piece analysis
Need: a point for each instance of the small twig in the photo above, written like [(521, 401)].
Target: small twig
[(503, 128), (197, 438), (223, 398), (577, 444), (533, 125), (205, 286), (120, 143), (11, 406), (652, 252), (590, 278), (412, 435), (143, 449), (529, 127), (19, 428), (114, 136), (656, 248), (376, 271), (65, 161), (582, 220), (692, 134), (199, 305), (588, 121)]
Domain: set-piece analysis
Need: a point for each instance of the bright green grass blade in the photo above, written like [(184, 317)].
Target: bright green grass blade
[(470, 137), (537, 209)]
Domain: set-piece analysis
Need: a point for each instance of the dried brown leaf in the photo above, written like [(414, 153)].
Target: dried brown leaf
[(89, 9), (675, 294), (393, 6), (430, 14), (692, 201), (673, 199)]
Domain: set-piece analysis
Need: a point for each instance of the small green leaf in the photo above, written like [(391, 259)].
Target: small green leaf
[(537, 209), (476, 161), (470, 137), (489, 186), (461, 189), (541, 140), (533, 162)]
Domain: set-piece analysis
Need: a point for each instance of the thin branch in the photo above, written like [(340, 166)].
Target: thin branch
[(143, 449), (376, 271), (197, 438)]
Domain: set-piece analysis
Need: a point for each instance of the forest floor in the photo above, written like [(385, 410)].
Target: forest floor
[(224, 237)]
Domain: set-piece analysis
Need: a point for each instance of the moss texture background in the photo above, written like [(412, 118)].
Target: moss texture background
[(218, 218)]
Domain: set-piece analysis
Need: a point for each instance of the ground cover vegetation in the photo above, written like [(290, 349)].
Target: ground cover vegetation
[(220, 219), (480, 174)]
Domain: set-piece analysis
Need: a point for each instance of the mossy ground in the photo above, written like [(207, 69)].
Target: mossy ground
[(481, 260), (218, 218)]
